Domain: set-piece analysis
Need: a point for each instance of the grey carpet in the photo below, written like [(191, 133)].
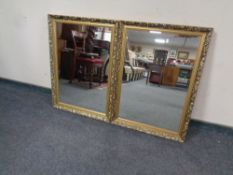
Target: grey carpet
[(36, 139), (150, 104), (79, 94)]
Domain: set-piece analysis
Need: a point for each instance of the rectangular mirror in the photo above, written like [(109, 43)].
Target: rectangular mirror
[(142, 76), (157, 71), (83, 53), (159, 68)]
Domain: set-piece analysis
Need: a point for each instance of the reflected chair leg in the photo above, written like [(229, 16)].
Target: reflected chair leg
[(79, 70), (148, 76), (90, 75), (72, 69), (100, 75)]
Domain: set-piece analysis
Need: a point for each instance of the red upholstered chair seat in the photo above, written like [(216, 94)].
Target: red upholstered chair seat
[(91, 60)]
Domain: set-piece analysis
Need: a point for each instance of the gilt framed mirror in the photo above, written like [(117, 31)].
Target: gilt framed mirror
[(158, 82), (82, 54), (138, 75)]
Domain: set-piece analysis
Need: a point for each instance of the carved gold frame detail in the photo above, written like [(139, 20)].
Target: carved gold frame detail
[(117, 49)]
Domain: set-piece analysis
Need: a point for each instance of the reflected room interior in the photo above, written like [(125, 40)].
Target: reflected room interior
[(83, 61), (156, 75)]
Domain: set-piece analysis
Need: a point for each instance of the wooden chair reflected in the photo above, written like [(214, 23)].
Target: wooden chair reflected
[(155, 74), (84, 63)]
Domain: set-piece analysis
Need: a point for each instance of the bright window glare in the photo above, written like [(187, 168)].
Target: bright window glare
[(161, 41), (107, 37), (156, 32)]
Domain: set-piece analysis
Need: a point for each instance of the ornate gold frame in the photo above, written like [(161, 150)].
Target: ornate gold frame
[(119, 29), (53, 20)]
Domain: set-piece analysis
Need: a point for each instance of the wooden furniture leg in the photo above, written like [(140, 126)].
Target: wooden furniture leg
[(148, 76), (100, 75), (90, 75), (72, 69)]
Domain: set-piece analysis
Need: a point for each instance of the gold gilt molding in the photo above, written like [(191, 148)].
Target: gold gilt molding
[(203, 55), (119, 29), (113, 78), (52, 20)]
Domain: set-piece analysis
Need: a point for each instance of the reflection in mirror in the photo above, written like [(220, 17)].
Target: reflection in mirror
[(156, 75), (83, 57)]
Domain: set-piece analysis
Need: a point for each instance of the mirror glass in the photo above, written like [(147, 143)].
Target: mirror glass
[(156, 75), (83, 64)]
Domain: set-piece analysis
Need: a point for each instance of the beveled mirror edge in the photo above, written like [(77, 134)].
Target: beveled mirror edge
[(205, 34), (113, 85)]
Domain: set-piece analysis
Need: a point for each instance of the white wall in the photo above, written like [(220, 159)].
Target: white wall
[(24, 49)]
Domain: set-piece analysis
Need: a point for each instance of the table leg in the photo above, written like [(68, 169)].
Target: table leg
[(100, 75), (90, 75), (148, 76), (72, 69)]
